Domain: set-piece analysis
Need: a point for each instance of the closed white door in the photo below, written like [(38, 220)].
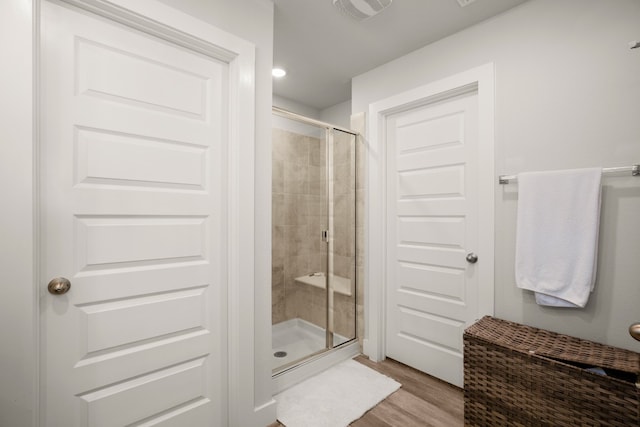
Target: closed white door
[(131, 196), (432, 225)]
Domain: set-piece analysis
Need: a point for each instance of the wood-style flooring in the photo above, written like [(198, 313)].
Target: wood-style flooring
[(422, 401)]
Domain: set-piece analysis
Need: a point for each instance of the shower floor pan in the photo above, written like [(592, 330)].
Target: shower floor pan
[(295, 339)]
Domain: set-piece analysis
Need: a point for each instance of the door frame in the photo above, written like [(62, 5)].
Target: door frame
[(480, 79), (20, 406)]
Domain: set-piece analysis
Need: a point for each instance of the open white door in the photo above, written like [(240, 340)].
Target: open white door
[(133, 197)]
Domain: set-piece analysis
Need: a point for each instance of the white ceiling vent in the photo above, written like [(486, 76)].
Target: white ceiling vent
[(361, 9), (464, 3)]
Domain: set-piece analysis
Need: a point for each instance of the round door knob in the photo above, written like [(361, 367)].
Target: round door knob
[(59, 286), (634, 331), (472, 258)]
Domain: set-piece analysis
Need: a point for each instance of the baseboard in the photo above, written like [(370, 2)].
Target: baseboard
[(265, 414), (366, 348)]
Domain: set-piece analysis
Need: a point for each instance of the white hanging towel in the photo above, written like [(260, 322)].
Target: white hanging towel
[(557, 235)]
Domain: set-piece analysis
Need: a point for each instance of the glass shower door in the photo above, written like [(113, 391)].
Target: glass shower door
[(299, 254), (341, 194)]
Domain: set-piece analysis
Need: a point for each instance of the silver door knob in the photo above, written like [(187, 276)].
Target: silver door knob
[(634, 331), (472, 258), (59, 286)]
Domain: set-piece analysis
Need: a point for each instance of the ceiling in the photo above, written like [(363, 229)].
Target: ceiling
[(322, 49)]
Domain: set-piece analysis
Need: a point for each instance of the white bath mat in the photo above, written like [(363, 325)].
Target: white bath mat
[(335, 397)]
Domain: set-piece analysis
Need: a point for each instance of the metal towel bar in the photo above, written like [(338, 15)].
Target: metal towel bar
[(634, 169)]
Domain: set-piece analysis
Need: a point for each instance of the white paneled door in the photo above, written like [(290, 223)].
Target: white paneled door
[(133, 215), (432, 226)]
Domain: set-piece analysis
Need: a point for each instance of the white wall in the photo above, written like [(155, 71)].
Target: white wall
[(298, 127), (567, 96), (296, 107), (18, 361), (338, 115)]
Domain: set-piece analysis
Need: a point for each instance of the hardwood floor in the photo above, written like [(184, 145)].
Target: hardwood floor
[(422, 401)]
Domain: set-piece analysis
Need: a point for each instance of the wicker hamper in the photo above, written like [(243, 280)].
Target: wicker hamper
[(516, 375)]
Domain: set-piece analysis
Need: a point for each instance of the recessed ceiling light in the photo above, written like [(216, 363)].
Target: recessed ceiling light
[(278, 72)]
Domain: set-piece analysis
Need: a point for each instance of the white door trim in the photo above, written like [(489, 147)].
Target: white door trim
[(481, 79), (169, 24)]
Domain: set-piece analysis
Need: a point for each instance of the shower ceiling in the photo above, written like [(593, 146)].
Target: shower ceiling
[(322, 48)]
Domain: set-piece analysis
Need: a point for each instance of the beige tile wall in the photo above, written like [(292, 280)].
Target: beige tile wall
[(299, 215)]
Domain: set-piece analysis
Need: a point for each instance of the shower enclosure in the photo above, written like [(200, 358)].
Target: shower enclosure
[(313, 239)]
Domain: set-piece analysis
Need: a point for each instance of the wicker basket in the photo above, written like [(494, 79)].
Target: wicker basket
[(516, 375)]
